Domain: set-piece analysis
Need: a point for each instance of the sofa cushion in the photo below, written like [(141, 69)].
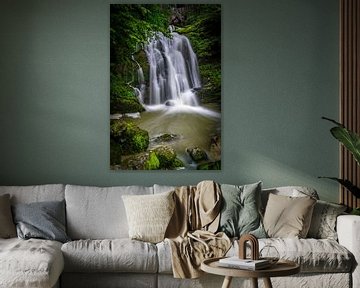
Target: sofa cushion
[(109, 280), (149, 215), (30, 263), (7, 226), (323, 222), (43, 220), (287, 216), (240, 212), (313, 255), (116, 255), (36, 193), (98, 213)]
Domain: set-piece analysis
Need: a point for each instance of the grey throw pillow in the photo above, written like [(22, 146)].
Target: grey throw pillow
[(44, 220), (323, 222), (240, 213), (7, 226)]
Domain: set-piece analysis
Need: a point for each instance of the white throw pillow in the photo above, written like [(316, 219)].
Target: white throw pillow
[(149, 215)]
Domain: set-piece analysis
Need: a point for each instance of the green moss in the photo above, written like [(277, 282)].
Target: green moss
[(153, 162), (122, 97), (177, 163), (130, 138), (167, 158)]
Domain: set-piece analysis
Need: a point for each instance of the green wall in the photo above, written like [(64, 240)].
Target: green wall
[(280, 75)]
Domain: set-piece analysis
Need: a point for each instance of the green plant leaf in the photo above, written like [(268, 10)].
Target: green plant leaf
[(348, 138), (347, 184)]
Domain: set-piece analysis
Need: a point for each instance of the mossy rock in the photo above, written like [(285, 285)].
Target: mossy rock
[(167, 157), (125, 105), (136, 162), (129, 137), (166, 137), (115, 153), (197, 154)]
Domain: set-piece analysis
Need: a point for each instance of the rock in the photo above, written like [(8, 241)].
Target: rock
[(166, 156), (162, 157), (166, 137), (129, 137), (136, 162), (125, 105), (170, 103), (197, 154)]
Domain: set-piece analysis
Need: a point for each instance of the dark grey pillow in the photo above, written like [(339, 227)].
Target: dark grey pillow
[(240, 213), (44, 220)]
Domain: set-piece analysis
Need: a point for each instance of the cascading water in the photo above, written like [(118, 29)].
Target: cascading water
[(140, 89), (174, 72)]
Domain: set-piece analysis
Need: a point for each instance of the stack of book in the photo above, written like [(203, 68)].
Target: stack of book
[(248, 264)]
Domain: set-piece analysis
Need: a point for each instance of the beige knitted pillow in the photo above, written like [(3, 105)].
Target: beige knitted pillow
[(288, 217), (149, 215)]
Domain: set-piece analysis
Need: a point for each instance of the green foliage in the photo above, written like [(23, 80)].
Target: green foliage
[(355, 211), (122, 97), (203, 27), (211, 81), (351, 141), (348, 138), (131, 26)]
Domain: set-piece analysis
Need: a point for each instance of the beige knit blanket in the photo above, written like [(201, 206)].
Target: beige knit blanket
[(191, 231)]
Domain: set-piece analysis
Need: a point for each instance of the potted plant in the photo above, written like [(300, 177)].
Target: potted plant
[(351, 142)]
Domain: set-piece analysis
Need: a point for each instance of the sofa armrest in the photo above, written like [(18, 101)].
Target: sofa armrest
[(348, 230)]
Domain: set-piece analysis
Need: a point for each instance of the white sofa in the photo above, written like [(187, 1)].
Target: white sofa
[(101, 254)]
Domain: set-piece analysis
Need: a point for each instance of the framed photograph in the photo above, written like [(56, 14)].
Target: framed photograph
[(165, 87)]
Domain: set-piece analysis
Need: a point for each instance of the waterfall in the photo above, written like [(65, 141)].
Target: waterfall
[(174, 72), (141, 87)]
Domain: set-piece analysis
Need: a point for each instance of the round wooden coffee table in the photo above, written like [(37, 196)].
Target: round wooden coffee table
[(281, 268)]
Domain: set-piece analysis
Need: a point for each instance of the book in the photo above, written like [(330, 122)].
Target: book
[(249, 264)]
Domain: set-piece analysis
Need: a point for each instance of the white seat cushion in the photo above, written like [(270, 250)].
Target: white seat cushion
[(30, 263), (117, 255), (313, 255)]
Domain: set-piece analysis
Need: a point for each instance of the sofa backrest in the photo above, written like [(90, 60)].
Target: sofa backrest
[(98, 212), (36, 193)]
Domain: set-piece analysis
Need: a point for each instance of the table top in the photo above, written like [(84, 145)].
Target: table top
[(281, 268)]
